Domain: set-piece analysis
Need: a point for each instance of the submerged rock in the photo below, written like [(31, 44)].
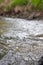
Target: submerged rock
[(40, 62)]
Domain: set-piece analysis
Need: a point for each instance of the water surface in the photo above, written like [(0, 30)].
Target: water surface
[(21, 41)]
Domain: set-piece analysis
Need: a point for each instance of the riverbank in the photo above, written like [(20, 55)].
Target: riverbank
[(24, 14), (19, 11)]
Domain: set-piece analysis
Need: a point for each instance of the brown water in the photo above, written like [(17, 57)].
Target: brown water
[(21, 41)]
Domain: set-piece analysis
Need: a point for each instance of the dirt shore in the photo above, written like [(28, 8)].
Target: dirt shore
[(23, 15), (25, 12)]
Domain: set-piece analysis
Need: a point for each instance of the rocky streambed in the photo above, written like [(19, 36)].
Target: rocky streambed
[(21, 41)]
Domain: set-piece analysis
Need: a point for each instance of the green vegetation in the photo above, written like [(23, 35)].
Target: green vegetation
[(19, 2), (38, 4), (1, 1), (14, 3)]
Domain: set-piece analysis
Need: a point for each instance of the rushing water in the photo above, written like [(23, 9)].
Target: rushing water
[(21, 41)]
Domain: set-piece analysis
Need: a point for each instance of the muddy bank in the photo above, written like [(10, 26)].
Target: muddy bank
[(25, 9), (24, 14)]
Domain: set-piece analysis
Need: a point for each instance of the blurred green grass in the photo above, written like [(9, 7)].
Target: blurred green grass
[(14, 3), (37, 4), (19, 2), (1, 1)]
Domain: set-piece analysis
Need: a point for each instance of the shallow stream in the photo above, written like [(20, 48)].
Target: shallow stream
[(21, 41)]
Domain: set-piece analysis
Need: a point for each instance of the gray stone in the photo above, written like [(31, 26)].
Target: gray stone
[(23, 62)]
